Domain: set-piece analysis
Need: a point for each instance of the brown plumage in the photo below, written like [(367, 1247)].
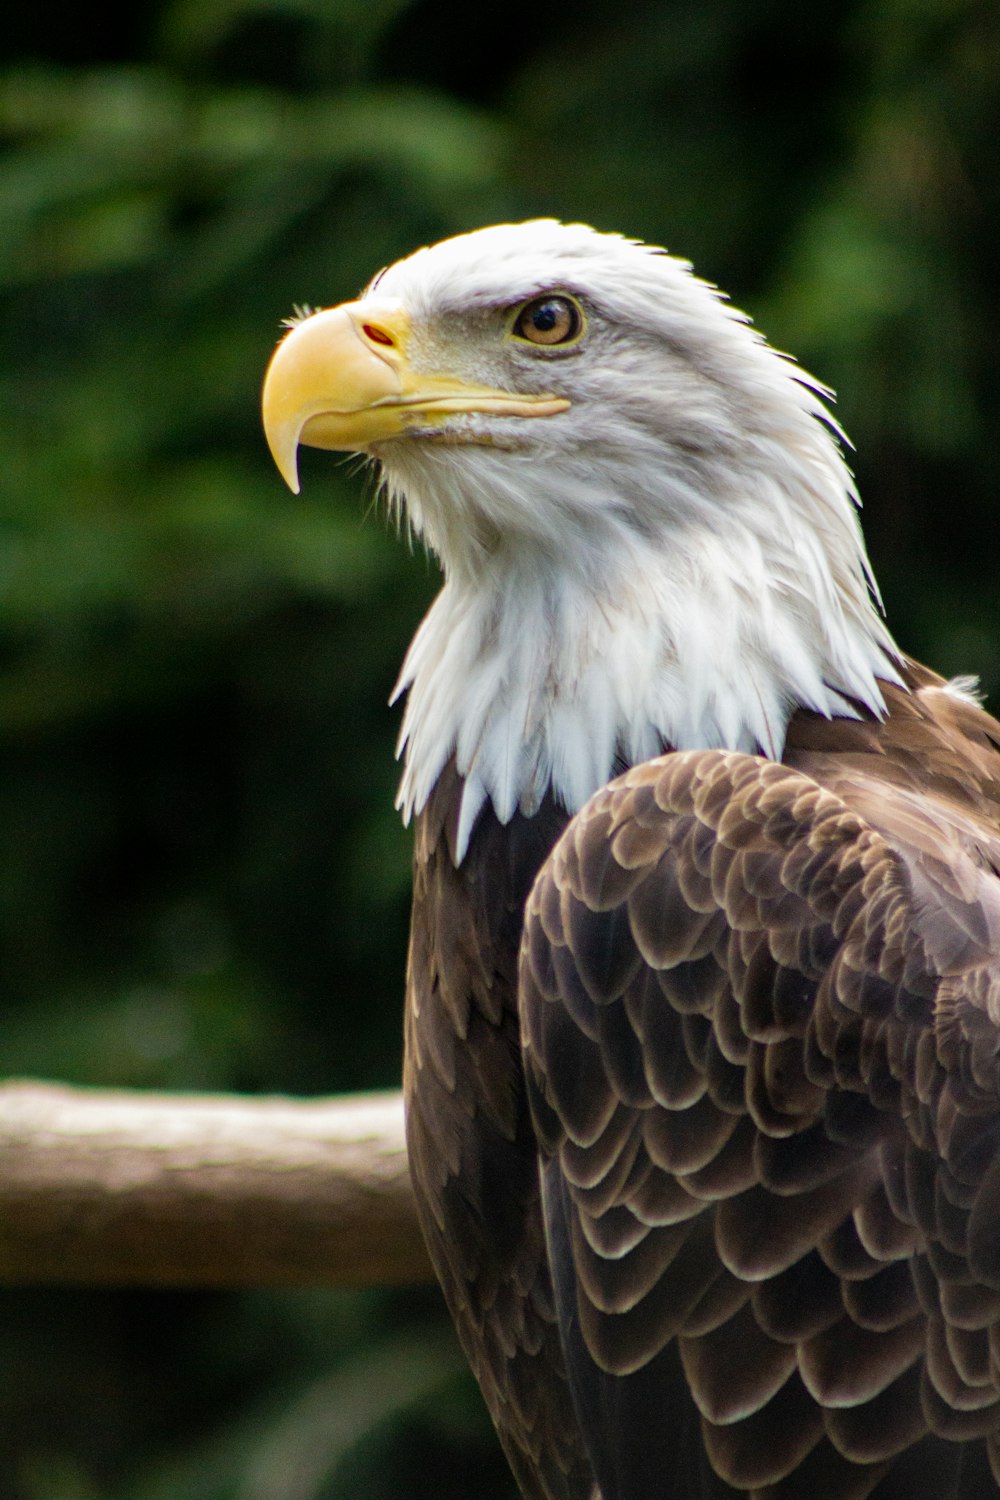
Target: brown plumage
[(472, 1150), (759, 1007)]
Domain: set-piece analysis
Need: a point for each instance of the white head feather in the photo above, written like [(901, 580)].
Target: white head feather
[(674, 561)]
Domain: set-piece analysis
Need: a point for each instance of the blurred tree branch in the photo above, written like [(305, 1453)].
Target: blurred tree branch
[(102, 1187)]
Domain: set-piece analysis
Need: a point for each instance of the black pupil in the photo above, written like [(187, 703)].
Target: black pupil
[(546, 316)]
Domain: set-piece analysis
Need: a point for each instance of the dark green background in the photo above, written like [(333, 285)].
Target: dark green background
[(202, 881)]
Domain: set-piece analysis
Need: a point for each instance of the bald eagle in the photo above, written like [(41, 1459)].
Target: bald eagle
[(703, 994)]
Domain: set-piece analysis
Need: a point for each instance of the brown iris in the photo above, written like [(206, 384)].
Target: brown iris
[(549, 320)]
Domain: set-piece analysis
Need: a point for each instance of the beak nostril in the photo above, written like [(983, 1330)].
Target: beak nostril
[(377, 335)]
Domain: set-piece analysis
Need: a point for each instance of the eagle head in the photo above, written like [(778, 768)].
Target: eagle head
[(647, 529)]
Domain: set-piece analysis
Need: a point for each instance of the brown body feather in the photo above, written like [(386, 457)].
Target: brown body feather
[(472, 1148), (760, 1008)]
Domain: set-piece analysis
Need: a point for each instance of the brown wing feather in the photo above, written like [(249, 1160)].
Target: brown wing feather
[(760, 1008)]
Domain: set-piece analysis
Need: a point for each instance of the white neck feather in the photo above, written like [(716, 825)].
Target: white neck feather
[(553, 660)]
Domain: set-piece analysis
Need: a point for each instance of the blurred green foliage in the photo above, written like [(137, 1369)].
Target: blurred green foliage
[(202, 881)]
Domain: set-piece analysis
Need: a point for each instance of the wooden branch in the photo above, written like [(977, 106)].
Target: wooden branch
[(110, 1188)]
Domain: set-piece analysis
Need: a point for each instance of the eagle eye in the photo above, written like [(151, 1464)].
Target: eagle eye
[(549, 320)]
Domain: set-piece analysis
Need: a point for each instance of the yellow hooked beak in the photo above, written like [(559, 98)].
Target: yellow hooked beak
[(341, 380)]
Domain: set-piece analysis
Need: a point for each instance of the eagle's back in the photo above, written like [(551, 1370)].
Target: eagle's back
[(926, 780), (760, 1013)]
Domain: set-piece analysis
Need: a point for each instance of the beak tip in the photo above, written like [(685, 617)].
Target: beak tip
[(290, 474), (287, 465), (283, 442)]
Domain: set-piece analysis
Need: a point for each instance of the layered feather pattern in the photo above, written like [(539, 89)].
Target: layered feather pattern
[(759, 1005)]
